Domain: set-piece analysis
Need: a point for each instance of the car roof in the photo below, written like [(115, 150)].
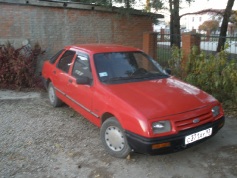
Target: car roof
[(102, 48)]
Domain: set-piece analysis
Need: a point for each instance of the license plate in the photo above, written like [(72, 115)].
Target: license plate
[(198, 136)]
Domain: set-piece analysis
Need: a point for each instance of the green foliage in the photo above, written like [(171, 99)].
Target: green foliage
[(175, 62), (17, 66), (157, 4), (214, 74)]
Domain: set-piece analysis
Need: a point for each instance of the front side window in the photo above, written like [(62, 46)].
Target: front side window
[(126, 67), (55, 57), (82, 66), (66, 61)]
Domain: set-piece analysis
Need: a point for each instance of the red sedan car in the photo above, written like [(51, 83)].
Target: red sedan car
[(137, 105)]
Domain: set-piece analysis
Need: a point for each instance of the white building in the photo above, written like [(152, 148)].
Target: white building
[(193, 21)]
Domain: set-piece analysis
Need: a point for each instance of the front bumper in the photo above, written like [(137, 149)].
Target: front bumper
[(144, 145)]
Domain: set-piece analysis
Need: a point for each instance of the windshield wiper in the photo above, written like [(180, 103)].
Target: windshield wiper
[(144, 76), (118, 78), (149, 75)]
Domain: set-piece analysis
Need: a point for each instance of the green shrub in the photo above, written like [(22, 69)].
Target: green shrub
[(214, 74), (175, 63), (17, 66)]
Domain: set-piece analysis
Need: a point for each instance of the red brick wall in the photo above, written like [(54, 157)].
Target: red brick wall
[(150, 44), (188, 41), (55, 27)]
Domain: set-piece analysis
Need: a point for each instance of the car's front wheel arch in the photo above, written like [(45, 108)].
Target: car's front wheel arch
[(106, 116)]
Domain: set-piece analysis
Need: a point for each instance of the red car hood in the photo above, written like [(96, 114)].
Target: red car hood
[(158, 98)]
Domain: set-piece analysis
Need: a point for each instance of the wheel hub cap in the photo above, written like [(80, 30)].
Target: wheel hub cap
[(114, 138)]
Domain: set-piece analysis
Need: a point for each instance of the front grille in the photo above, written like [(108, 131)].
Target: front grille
[(187, 123)]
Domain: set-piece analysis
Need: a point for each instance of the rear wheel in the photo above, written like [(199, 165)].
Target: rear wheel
[(114, 139), (54, 100)]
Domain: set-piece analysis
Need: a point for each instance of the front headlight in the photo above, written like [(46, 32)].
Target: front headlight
[(161, 127), (215, 111)]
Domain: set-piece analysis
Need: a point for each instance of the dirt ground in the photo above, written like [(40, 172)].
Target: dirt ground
[(37, 140)]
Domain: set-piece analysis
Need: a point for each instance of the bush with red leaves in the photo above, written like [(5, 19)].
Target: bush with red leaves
[(18, 66)]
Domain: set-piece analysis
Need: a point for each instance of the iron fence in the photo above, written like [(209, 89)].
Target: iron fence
[(163, 49), (208, 45)]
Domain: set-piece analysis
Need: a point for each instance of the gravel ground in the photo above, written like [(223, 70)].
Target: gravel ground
[(37, 140)]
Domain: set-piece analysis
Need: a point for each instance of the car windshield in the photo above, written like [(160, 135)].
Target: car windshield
[(120, 67)]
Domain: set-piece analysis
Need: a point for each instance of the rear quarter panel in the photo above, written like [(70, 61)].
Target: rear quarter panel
[(47, 70)]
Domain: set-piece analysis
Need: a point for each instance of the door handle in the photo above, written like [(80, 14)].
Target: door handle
[(54, 72), (70, 80)]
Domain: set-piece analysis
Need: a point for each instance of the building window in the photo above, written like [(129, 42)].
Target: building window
[(200, 19)]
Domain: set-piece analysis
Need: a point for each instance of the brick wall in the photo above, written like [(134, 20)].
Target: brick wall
[(188, 41), (55, 27), (150, 44)]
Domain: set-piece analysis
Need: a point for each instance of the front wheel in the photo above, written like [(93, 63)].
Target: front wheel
[(54, 100), (113, 138)]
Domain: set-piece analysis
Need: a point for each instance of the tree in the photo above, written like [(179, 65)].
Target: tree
[(233, 17), (155, 4), (174, 6), (228, 16), (209, 26), (233, 20), (174, 23), (224, 25)]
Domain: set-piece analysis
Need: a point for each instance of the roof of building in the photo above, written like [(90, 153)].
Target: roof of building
[(83, 6)]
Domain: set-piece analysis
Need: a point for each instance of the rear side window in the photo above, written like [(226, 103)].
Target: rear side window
[(55, 57), (66, 60)]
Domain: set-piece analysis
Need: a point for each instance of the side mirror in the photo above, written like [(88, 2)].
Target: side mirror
[(82, 80), (168, 71)]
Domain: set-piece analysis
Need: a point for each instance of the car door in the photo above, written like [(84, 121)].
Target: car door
[(81, 94), (61, 71)]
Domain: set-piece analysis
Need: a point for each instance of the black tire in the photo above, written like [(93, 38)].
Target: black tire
[(53, 99), (113, 138)]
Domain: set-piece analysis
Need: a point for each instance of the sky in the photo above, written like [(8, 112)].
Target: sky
[(205, 4), (193, 7), (198, 5)]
